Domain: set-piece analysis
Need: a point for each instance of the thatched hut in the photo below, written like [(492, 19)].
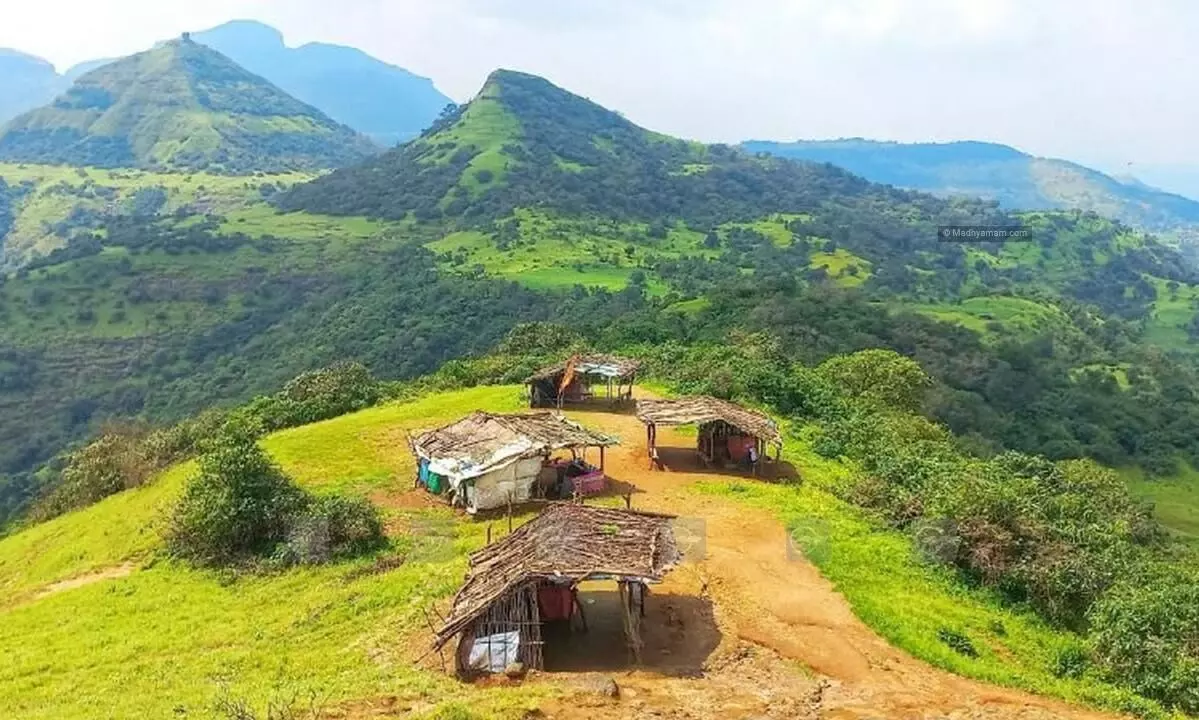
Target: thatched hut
[(728, 433), (489, 460), (515, 584), (573, 380)]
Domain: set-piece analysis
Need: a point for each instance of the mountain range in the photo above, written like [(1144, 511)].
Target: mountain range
[(380, 100), (1012, 178), (169, 291), (180, 106)]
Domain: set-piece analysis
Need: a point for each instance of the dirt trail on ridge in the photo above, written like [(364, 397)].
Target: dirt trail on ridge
[(753, 632)]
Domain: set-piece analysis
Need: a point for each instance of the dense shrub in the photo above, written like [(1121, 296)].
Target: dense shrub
[(116, 461), (1145, 634), (330, 528), (242, 507), (239, 505), (317, 395)]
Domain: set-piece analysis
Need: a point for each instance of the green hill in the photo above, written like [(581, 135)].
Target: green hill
[(180, 106), (166, 638)]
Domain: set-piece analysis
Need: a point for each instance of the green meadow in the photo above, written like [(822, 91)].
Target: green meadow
[(170, 641)]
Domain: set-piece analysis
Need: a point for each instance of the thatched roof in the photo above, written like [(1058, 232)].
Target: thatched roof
[(703, 409), (484, 441), (606, 365), (566, 542)]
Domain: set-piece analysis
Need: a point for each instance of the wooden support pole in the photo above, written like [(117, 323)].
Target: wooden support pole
[(601, 457)]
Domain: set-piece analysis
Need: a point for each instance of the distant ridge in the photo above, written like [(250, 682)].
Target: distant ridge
[(383, 101), (180, 106), (998, 172), (26, 82)]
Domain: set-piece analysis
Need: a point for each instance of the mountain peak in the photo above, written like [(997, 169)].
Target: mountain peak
[(244, 32), (180, 105)]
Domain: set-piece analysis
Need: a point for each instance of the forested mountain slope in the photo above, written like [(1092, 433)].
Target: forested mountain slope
[(180, 106)]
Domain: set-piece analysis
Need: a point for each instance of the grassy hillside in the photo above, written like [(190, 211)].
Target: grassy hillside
[(1175, 499), (165, 639), (53, 203), (180, 106), (169, 292)]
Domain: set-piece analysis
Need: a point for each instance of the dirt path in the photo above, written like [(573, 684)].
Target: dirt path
[(118, 571), (750, 632)]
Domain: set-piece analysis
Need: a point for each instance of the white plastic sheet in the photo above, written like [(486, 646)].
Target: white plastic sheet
[(494, 653)]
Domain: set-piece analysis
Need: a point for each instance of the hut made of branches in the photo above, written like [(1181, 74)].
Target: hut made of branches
[(492, 459), (572, 380), (717, 419), (566, 544)]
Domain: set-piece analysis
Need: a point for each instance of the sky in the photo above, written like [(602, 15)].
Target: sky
[(1107, 83)]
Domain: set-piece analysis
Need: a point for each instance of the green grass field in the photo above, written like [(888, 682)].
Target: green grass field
[(1172, 312), (990, 315), (558, 253), (1175, 499), (168, 641), (843, 267), (57, 191)]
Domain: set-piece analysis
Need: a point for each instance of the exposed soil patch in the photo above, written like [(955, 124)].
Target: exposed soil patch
[(78, 581), (787, 644)]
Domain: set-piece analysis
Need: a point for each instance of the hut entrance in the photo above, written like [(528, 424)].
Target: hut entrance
[(605, 632), (583, 378)]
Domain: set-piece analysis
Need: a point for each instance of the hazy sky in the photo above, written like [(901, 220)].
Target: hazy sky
[(1106, 82)]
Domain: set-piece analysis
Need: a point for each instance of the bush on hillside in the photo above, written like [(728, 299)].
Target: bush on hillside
[(879, 377), (238, 506), (116, 461), (318, 395), (122, 458), (242, 506), (331, 528), (1145, 633)]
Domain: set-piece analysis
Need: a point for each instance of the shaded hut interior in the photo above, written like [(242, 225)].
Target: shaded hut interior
[(729, 436), (583, 378)]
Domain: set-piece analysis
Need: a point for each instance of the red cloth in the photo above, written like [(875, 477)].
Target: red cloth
[(739, 446), (556, 602)]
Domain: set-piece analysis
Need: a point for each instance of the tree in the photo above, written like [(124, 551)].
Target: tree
[(879, 376)]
